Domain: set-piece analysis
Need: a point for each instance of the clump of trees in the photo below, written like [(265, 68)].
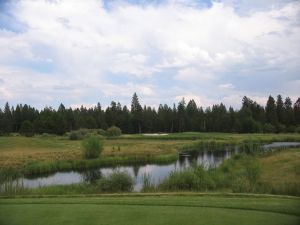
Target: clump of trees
[(279, 115)]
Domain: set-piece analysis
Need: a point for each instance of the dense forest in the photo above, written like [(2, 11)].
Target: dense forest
[(277, 116)]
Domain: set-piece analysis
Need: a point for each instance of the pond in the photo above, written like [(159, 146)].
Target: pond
[(157, 172)]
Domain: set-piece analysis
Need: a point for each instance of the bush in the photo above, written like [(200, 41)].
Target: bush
[(113, 131), (297, 130), (92, 147), (101, 132), (26, 129), (291, 129), (281, 128), (81, 133), (269, 128), (116, 182), (192, 179), (75, 135), (241, 185)]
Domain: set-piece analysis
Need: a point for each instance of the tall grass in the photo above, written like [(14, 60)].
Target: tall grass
[(10, 184), (148, 183), (116, 182)]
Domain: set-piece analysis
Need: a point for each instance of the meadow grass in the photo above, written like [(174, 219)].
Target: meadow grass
[(48, 154), (17, 151), (181, 209)]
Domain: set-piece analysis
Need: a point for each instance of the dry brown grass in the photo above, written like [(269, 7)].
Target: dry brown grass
[(18, 151)]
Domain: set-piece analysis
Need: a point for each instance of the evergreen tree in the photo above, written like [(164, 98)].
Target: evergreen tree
[(26, 128), (252, 117), (181, 112), (137, 113), (288, 112), (297, 112), (280, 109), (271, 114), (7, 121), (191, 113)]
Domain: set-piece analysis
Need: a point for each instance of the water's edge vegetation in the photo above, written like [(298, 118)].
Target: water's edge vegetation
[(247, 146), (241, 173)]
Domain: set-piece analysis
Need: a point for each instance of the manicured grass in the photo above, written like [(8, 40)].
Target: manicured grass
[(143, 209)]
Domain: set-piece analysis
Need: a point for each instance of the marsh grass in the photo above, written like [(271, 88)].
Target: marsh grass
[(116, 182), (36, 168), (9, 182), (148, 183)]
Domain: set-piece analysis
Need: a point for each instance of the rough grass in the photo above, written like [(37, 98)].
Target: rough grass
[(143, 209), (281, 170), (16, 152)]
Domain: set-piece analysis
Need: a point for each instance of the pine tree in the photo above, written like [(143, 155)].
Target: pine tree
[(137, 113), (271, 114), (297, 112), (288, 112), (181, 111), (280, 109)]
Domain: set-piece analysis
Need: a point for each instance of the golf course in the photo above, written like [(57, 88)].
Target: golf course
[(264, 192), (174, 209)]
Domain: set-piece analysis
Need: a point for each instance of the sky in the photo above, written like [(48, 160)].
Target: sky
[(83, 52)]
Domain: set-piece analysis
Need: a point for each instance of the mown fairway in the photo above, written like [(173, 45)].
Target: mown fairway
[(181, 210)]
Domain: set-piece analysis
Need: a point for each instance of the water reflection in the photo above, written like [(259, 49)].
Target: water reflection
[(157, 172), (207, 159), (91, 176)]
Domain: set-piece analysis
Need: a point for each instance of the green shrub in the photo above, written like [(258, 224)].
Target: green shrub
[(75, 135), (269, 128), (101, 132), (241, 185), (113, 131), (192, 179), (92, 147), (26, 129), (291, 129), (297, 130), (281, 128), (116, 182)]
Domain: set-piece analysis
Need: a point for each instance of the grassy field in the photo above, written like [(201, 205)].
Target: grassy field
[(160, 209), (16, 151), (281, 167)]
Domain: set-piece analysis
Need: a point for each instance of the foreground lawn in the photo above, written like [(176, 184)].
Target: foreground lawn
[(172, 209)]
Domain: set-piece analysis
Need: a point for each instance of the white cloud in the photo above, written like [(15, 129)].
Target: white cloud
[(79, 51), (226, 86), (200, 101), (189, 74)]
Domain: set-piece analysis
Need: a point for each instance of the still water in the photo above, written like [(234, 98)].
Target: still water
[(157, 172)]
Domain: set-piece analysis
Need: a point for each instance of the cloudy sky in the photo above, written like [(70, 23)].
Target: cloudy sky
[(81, 52)]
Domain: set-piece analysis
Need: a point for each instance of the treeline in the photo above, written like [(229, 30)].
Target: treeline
[(277, 116)]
